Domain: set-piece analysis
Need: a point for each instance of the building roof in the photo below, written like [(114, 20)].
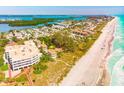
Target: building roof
[(20, 52), (11, 43), (81, 32)]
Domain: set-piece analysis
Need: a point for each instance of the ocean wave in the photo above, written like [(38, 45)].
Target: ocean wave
[(117, 52), (118, 73), (114, 57)]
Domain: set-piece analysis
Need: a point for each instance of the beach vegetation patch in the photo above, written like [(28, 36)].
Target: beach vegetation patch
[(39, 68), (2, 77), (21, 78)]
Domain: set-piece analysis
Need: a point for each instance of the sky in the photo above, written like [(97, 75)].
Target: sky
[(61, 10)]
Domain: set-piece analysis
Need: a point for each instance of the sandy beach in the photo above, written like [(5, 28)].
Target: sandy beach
[(91, 69)]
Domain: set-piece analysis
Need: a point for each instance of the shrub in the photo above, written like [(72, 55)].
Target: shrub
[(1, 61), (4, 67), (45, 58), (2, 77), (22, 78), (39, 68)]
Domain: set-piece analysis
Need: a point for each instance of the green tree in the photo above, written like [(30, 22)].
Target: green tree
[(46, 40), (63, 40), (58, 39), (69, 44)]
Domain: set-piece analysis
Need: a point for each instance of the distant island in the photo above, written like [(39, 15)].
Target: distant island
[(33, 22)]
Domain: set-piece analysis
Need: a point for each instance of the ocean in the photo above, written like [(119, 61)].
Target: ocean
[(116, 59), (6, 27), (30, 17)]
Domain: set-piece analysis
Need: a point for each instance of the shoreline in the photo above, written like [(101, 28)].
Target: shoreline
[(106, 73), (95, 58), (111, 48)]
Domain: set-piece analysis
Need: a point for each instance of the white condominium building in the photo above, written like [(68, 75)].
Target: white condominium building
[(20, 56)]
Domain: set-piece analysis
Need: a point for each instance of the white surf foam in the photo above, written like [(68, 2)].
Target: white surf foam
[(118, 73)]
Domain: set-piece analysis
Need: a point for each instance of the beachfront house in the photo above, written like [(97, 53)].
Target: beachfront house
[(80, 33)]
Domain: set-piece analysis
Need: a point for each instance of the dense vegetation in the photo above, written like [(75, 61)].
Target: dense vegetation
[(46, 40), (33, 22), (3, 42), (60, 40), (64, 40), (3, 67)]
